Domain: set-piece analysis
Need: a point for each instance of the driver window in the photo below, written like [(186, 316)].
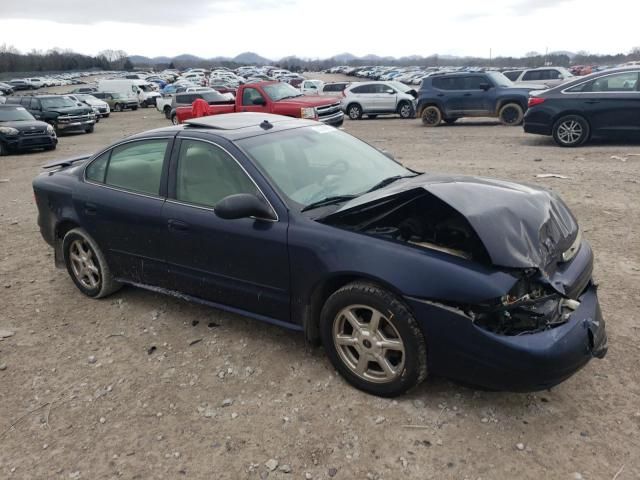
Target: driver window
[(249, 96), (207, 174)]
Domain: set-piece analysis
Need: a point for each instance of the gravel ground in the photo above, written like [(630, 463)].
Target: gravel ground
[(142, 386)]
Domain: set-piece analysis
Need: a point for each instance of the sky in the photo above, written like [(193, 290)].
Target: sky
[(321, 28)]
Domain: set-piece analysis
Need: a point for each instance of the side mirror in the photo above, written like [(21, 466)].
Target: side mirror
[(391, 92), (485, 86), (243, 205), (259, 101)]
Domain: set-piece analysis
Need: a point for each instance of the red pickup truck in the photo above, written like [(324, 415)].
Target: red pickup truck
[(277, 98)]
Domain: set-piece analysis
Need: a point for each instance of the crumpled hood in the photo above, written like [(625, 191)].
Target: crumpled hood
[(521, 226)]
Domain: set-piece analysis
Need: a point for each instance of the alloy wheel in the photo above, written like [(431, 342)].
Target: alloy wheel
[(570, 132), (368, 343), (82, 264), (405, 111), (510, 115)]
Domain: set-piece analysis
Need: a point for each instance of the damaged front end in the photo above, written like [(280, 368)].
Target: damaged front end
[(539, 332)]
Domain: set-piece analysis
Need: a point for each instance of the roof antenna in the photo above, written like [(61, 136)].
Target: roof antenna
[(265, 125)]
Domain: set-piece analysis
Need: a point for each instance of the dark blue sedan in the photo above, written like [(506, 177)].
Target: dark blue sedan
[(399, 274)]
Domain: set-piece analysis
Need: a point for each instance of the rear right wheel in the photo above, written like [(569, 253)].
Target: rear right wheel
[(174, 119), (117, 107)]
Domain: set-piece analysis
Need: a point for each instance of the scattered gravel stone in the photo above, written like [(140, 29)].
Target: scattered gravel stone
[(308, 476), (271, 464), (438, 442), (577, 476), (227, 402), (3, 366), (6, 333), (103, 420), (285, 468), (92, 359), (520, 446), (484, 420), (332, 472), (380, 420), (234, 415), (418, 403)]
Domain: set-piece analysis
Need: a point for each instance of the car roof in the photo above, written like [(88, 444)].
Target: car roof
[(236, 126)]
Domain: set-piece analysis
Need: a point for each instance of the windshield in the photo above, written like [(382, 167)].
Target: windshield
[(278, 91), (57, 102), (15, 114), (500, 80), (313, 163), (88, 98)]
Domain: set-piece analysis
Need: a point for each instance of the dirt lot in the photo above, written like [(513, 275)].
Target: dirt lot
[(131, 413)]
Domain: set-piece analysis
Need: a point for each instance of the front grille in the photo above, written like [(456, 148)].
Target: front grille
[(73, 118), (328, 110), (30, 133)]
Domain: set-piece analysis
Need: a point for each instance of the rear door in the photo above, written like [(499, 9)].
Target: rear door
[(120, 205), (240, 263), (474, 99)]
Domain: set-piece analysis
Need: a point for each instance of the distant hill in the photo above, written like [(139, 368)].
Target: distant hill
[(251, 59)]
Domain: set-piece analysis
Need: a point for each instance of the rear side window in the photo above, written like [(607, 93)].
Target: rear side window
[(25, 102), (97, 169), (532, 75), (473, 83), (449, 83), (621, 82), (135, 166), (363, 89)]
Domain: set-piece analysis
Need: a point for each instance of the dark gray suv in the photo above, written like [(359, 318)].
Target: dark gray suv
[(451, 96)]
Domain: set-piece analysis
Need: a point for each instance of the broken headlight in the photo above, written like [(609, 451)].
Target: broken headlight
[(528, 308)]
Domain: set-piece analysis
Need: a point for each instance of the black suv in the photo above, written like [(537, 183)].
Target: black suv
[(452, 96), (59, 111), (20, 131)]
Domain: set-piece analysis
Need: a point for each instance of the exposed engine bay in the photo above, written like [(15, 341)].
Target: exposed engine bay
[(423, 221)]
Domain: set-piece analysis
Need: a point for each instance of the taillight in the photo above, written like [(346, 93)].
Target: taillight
[(533, 101)]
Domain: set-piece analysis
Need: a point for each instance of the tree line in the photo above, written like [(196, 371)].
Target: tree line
[(58, 60)]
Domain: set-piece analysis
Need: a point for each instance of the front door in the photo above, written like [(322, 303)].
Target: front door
[(240, 263), (253, 100)]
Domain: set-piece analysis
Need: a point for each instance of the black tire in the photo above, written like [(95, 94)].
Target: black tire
[(106, 115), (405, 110), (3, 150), (50, 148), (571, 131), (89, 129), (134, 108), (174, 119), (101, 283), (167, 112), (396, 324), (511, 114), (431, 116), (450, 121), (117, 107), (354, 111)]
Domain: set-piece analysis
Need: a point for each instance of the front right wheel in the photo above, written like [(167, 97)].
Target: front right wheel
[(373, 340)]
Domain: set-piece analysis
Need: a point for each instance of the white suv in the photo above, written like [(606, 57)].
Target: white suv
[(379, 98)]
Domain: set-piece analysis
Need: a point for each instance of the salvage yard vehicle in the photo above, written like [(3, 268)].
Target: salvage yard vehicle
[(117, 101), (602, 105), (547, 76), (100, 107), (299, 224), (19, 131), (449, 97), (60, 111), (187, 98), (276, 98), (141, 89), (378, 98)]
